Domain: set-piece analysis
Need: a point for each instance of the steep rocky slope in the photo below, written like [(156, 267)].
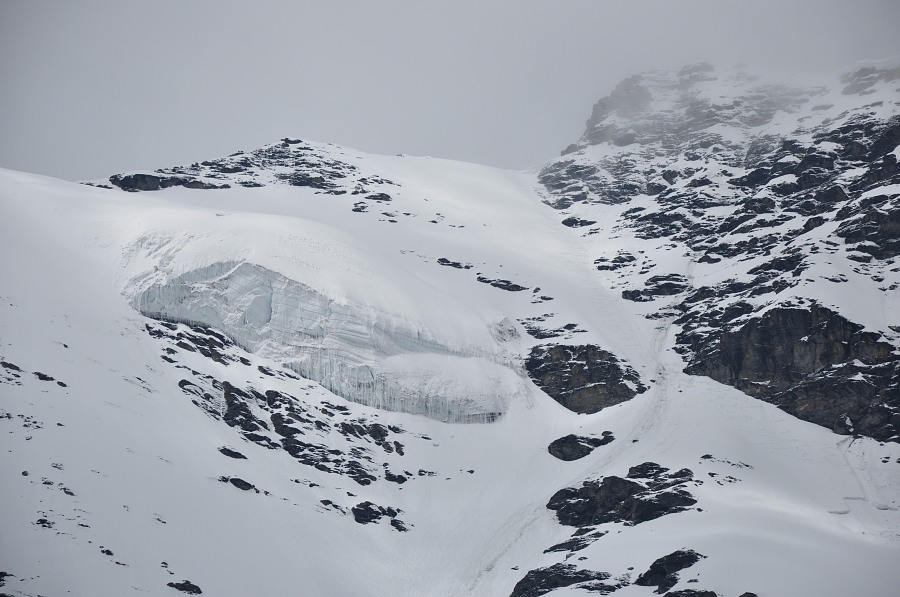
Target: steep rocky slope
[(781, 204)]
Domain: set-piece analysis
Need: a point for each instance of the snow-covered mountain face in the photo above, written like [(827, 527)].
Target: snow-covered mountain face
[(667, 361), (778, 207)]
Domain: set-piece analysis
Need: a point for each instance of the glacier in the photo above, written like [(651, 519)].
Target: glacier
[(361, 355)]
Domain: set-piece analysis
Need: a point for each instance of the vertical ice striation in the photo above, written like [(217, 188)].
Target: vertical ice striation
[(356, 352)]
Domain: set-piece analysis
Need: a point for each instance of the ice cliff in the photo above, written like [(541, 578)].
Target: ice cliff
[(354, 351)]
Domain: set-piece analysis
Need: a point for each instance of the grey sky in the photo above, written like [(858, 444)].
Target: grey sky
[(91, 88)]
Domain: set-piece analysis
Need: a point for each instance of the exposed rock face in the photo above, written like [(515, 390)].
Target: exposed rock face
[(582, 538), (663, 573), (543, 580), (631, 118), (648, 492), (226, 451), (655, 286), (152, 182), (874, 230), (367, 513), (573, 447), (291, 162), (585, 378), (239, 483), (799, 183), (577, 222), (277, 420), (185, 586), (812, 363), (501, 284)]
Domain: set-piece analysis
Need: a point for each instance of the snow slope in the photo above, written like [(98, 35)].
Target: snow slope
[(338, 341)]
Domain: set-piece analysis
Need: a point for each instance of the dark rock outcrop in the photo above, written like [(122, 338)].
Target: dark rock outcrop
[(501, 284), (649, 492), (367, 513), (621, 260), (577, 542), (290, 419), (663, 573), (291, 161), (226, 451), (584, 378), (185, 586), (874, 230), (535, 330), (153, 182), (543, 580), (456, 264), (574, 222), (812, 363), (573, 447), (239, 483), (237, 409), (664, 285)]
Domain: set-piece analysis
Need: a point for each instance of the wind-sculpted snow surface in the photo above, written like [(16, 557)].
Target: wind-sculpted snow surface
[(374, 360)]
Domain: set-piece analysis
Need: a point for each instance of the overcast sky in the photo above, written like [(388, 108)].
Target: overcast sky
[(91, 88)]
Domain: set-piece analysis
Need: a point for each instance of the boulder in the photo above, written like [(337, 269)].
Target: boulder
[(663, 573), (584, 378), (573, 447)]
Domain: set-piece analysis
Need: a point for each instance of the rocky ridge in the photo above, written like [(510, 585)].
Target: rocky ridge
[(772, 195)]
